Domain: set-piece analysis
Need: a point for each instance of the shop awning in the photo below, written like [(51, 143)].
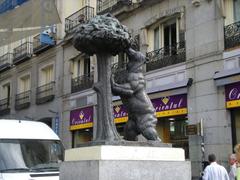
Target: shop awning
[(171, 86), (227, 77), (180, 87)]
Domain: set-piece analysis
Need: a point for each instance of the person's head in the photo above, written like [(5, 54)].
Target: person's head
[(211, 158), (237, 151), (232, 159)]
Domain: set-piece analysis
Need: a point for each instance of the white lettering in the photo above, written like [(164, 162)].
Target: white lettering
[(233, 94), (180, 103)]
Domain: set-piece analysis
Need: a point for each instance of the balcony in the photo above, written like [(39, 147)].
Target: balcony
[(5, 62), (232, 35), (43, 42), (82, 82), (22, 53), (166, 56), (79, 17), (45, 93), (104, 6), (22, 100), (4, 106)]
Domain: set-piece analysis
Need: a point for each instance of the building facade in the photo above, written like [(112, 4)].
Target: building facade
[(192, 74)]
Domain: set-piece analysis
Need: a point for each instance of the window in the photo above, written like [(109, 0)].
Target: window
[(46, 75), (24, 83), (170, 35), (5, 91), (86, 65), (236, 10), (170, 39), (156, 38), (232, 11), (165, 35), (81, 67)]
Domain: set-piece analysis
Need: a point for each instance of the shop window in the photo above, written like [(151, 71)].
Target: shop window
[(173, 130), (82, 136), (120, 129)]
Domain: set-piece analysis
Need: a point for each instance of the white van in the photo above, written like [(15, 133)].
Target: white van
[(29, 150)]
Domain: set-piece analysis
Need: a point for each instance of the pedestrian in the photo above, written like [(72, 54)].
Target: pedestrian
[(233, 167), (237, 151), (214, 171)]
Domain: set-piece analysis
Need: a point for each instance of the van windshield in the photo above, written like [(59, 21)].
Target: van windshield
[(30, 155)]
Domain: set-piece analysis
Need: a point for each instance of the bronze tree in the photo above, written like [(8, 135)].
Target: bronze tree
[(104, 36)]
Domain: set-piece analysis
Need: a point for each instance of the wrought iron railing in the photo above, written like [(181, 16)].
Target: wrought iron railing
[(22, 52), (79, 17), (82, 82), (45, 93), (232, 35), (39, 46), (107, 5), (5, 60), (166, 56), (23, 100), (4, 106)]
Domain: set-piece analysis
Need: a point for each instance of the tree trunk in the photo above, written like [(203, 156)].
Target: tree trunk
[(106, 129)]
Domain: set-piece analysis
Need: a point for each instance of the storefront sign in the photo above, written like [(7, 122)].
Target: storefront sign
[(170, 105), (232, 93), (120, 114), (164, 107), (56, 125), (192, 129), (81, 118)]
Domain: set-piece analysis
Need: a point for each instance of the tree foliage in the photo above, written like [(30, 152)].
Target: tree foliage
[(102, 34)]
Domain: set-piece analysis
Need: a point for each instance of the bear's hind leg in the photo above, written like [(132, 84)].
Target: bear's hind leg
[(150, 133), (130, 131)]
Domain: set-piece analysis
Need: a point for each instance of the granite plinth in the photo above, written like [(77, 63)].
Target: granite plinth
[(126, 143), (109, 162)]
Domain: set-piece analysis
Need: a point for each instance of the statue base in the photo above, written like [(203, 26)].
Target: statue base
[(111, 162)]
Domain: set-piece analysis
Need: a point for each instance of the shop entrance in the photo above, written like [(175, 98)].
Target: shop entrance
[(173, 130), (81, 136), (235, 121)]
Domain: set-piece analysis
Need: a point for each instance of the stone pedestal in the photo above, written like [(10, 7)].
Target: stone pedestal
[(107, 162)]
